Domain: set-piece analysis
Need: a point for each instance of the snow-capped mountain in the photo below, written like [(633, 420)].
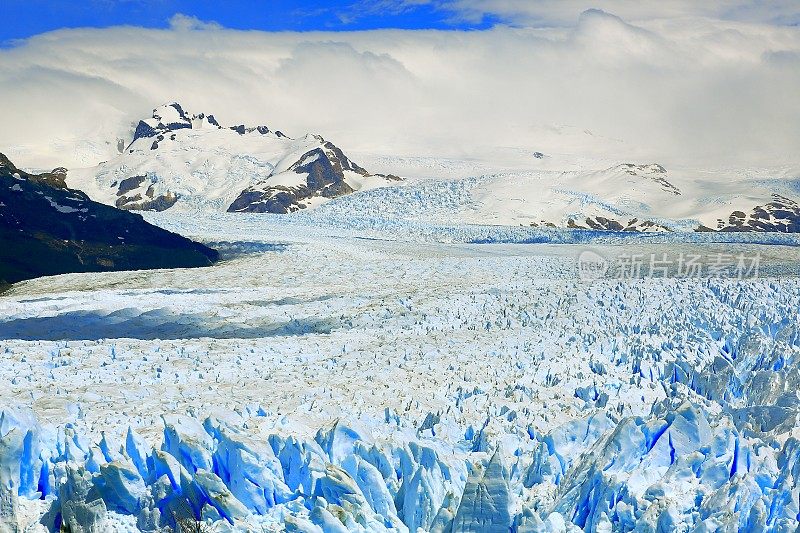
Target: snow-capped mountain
[(178, 160), (47, 228), (597, 195), (190, 160)]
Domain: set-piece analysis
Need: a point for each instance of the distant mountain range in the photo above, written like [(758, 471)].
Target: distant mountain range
[(178, 160), (47, 228), (189, 160), (622, 197)]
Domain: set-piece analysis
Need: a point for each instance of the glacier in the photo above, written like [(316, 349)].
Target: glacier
[(332, 378)]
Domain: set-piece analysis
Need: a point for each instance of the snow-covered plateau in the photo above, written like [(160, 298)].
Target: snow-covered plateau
[(374, 377)]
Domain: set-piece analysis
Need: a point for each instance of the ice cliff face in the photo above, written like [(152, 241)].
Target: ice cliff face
[(190, 160)]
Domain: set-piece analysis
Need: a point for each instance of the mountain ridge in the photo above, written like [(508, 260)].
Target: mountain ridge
[(47, 228), (176, 158)]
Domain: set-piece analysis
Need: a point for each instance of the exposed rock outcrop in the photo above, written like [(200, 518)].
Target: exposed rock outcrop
[(780, 215), (47, 228)]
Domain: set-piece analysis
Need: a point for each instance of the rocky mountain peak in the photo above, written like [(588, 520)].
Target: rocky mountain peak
[(171, 117), (177, 156)]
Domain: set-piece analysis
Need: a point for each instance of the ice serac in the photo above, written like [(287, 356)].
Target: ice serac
[(11, 466), (9, 510), (484, 506), (81, 517), (249, 468), (556, 451), (652, 473), (187, 160), (47, 228), (680, 466)]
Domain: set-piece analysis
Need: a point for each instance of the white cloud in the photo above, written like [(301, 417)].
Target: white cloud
[(683, 91), (182, 22), (362, 8)]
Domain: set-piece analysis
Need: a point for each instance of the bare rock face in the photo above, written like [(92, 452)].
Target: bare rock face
[(325, 169), (167, 119), (325, 177), (56, 178), (780, 215), (653, 172), (135, 202), (609, 224), (48, 229)]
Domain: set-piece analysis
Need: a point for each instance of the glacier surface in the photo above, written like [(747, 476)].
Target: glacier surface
[(399, 378)]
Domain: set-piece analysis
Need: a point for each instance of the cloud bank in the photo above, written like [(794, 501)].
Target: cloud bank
[(679, 90)]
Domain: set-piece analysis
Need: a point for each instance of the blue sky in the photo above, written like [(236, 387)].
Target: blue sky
[(24, 18)]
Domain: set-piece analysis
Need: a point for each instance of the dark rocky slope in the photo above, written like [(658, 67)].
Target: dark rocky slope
[(324, 168), (780, 215), (48, 229)]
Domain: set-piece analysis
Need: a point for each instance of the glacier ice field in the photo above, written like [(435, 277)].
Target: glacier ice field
[(402, 376)]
